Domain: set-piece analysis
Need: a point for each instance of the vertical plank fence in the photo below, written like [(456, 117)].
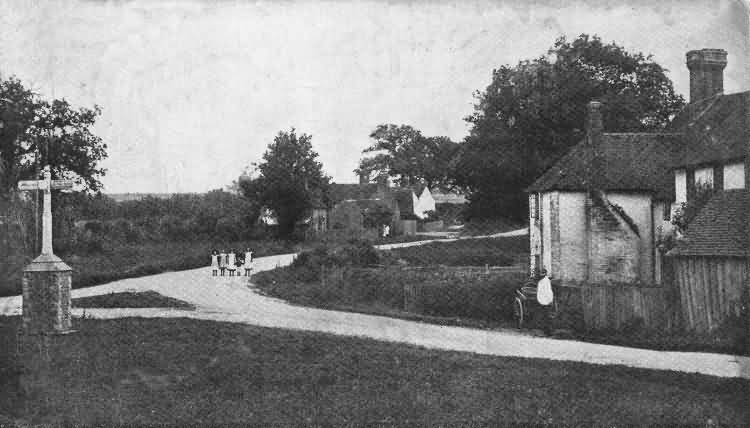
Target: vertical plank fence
[(710, 290)]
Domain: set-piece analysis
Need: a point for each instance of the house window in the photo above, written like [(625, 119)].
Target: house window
[(667, 212), (680, 185), (705, 176), (734, 176)]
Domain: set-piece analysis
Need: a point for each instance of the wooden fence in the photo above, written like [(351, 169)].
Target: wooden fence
[(618, 306), (710, 290)]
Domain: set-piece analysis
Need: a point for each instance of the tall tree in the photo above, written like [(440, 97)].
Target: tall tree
[(403, 153), (532, 113), (289, 179), (36, 132)]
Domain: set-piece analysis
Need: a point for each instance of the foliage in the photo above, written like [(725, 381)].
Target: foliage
[(431, 215), (451, 213), (37, 132), (354, 253), (403, 153), (377, 216), (532, 113), (687, 211), (290, 181)]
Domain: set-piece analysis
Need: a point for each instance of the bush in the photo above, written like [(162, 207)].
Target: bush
[(355, 253)]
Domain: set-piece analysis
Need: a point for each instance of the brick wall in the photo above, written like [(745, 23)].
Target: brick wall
[(614, 248)]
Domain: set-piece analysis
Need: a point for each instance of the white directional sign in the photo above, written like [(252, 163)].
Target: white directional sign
[(29, 185), (47, 184)]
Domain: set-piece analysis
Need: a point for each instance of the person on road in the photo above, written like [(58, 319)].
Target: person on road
[(222, 262), (545, 297), (231, 262), (248, 265), (214, 263)]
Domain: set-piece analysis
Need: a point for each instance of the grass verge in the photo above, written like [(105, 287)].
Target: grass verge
[(129, 299), (466, 252), (180, 371)]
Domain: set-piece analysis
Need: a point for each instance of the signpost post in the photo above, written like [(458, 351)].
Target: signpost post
[(47, 279)]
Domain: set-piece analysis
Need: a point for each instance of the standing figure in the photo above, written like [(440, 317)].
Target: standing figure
[(545, 298), (231, 260), (214, 263), (248, 261), (222, 262)]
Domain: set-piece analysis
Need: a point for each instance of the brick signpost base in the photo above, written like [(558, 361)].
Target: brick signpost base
[(46, 316)]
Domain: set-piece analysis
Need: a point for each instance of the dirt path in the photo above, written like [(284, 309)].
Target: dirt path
[(234, 300)]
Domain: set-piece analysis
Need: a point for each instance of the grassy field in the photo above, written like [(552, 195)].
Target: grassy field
[(179, 371), (467, 252), (129, 299)]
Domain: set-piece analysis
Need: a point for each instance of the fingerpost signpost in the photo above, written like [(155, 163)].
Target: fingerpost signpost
[(46, 286)]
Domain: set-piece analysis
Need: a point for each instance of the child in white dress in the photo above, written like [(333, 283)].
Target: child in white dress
[(248, 261), (214, 263), (231, 262), (222, 262)]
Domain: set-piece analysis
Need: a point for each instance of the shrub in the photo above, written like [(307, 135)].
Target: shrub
[(355, 253), (690, 209)]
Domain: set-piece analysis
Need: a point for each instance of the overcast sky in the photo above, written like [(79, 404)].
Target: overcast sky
[(192, 91)]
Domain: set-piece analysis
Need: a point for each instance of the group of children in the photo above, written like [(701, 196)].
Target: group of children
[(232, 262)]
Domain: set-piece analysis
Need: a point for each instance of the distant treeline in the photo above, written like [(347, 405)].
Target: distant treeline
[(85, 223)]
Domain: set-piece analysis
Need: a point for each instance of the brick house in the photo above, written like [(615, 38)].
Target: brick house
[(598, 214), (711, 259), (351, 202), (595, 213)]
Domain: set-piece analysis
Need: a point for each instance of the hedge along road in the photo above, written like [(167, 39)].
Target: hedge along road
[(230, 299)]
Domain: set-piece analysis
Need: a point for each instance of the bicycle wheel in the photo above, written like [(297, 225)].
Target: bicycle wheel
[(518, 312)]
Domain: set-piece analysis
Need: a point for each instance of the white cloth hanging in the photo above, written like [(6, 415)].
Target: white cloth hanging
[(544, 292)]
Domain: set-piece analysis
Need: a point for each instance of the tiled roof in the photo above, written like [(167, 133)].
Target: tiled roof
[(720, 228), (370, 192), (716, 129), (371, 204), (630, 162), (345, 192)]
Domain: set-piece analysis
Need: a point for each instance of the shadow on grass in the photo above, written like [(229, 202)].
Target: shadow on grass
[(182, 371), (129, 299)]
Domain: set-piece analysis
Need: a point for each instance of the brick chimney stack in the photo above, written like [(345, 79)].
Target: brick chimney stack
[(594, 134), (706, 72)]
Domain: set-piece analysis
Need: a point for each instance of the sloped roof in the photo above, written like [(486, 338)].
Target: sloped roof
[(716, 129), (630, 162), (720, 228), (345, 192), (371, 204)]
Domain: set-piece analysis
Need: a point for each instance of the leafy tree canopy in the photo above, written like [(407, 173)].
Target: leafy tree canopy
[(532, 113), (402, 152), (290, 180), (36, 132)]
